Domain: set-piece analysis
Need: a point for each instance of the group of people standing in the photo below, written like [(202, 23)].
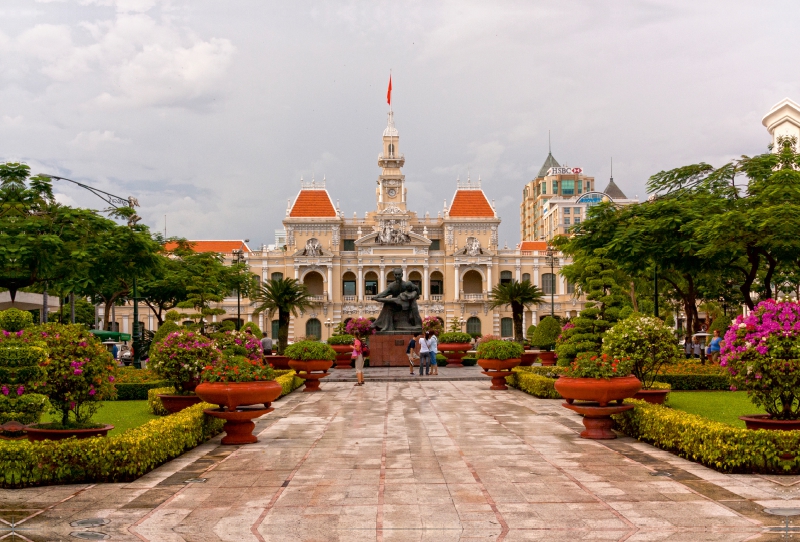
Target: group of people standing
[(428, 348)]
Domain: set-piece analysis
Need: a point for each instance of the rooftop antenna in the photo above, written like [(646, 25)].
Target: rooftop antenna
[(549, 148), (612, 168)]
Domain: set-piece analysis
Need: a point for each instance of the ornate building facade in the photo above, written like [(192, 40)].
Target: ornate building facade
[(454, 258)]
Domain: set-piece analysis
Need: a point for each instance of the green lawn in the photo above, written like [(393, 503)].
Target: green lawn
[(123, 415), (721, 406)]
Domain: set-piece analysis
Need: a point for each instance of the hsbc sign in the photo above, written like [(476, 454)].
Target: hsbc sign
[(564, 171)]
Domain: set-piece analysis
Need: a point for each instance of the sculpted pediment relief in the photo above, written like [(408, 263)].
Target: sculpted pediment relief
[(378, 239)]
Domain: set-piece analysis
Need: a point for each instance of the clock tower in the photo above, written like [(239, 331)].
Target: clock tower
[(391, 191)]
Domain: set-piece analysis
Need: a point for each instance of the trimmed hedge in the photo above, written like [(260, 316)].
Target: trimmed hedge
[(120, 458), (287, 379), (137, 391), (532, 383), (714, 444), (695, 382)]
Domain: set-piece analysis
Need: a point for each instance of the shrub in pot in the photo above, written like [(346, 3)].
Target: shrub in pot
[(180, 358), (432, 324), (545, 337), (80, 374), (311, 361), (343, 346), (497, 358), (648, 344), (22, 375), (762, 355), (454, 345), (239, 343), (601, 378)]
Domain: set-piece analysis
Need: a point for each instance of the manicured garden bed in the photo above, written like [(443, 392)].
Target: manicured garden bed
[(123, 415), (719, 406)]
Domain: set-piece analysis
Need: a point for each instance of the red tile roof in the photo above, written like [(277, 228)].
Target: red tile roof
[(533, 245), (313, 204), (222, 247), (471, 203)]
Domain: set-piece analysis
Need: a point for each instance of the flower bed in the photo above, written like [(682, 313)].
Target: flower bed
[(133, 384), (714, 444), (112, 459)]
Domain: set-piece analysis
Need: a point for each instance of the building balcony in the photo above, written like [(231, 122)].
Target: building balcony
[(318, 298), (349, 298), (437, 297), (473, 297)]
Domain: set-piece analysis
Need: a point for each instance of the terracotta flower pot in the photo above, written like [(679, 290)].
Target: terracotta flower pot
[(278, 362), (313, 371), (599, 390), (498, 370), (176, 403), (232, 395), (528, 358), (765, 421), (344, 355), (548, 359), (656, 397), (454, 352), (238, 423), (41, 433)]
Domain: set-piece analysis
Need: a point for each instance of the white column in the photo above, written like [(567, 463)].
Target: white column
[(518, 270), (261, 321), (426, 283), (536, 276), (382, 279), (150, 322), (360, 285), (457, 283), (489, 284), (296, 272), (330, 283), (125, 324)]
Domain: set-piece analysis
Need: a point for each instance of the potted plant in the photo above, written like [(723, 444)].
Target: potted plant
[(80, 374), (243, 344), (233, 381), (180, 359), (600, 379), (454, 345), (343, 346), (648, 344), (287, 297), (311, 361), (433, 324), (762, 355), (497, 358), (22, 375), (545, 338)]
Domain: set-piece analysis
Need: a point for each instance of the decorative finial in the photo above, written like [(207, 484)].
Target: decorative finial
[(612, 168)]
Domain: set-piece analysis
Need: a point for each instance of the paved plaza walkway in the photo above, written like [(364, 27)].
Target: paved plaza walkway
[(411, 461)]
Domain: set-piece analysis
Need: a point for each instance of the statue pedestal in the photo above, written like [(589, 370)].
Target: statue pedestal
[(389, 349)]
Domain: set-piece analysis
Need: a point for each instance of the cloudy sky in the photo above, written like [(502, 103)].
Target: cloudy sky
[(210, 112)]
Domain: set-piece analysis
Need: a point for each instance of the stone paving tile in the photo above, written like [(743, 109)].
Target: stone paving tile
[(431, 461)]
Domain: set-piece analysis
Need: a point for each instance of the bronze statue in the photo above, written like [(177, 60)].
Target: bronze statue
[(400, 311)]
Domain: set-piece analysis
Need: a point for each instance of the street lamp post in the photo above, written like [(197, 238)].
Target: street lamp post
[(238, 257), (552, 260), (329, 323)]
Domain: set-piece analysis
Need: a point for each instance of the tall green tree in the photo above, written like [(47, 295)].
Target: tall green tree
[(210, 280), (287, 297), (519, 296)]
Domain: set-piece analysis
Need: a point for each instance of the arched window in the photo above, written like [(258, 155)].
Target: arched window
[(472, 283), (474, 325), (276, 276), (526, 276), (313, 329), (437, 283), (549, 283), (506, 327), (314, 283), (371, 283), (349, 283), (505, 277), (570, 288), (276, 325), (416, 278)]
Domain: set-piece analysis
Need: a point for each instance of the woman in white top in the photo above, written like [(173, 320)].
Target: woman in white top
[(424, 353)]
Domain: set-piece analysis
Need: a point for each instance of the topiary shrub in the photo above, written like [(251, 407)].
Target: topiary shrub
[(341, 340), (165, 329), (546, 333), (80, 373), (172, 316), (529, 333), (181, 356), (644, 341), (721, 324), (501, 350), (22, 377), (310, 351), (455, 337), (238, 343), (253, 327)]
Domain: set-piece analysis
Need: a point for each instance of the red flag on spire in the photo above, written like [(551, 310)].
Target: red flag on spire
[(389, 92)]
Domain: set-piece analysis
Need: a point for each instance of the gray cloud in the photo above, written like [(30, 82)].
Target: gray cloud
[(209, 112)]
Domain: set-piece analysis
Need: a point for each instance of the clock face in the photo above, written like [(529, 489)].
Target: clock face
[(392, 192)]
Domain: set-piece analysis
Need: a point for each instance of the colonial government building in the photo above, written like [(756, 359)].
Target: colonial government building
[(454, 258)]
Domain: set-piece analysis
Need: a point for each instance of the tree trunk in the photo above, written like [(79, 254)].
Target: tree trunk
[(772, 263), (283, 330), (516, 313)]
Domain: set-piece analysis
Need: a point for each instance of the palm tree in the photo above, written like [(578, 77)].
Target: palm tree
[(520, 295), (287, 297)]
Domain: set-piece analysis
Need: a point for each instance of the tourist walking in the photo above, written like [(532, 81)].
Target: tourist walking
[(433, 350), (714, 346), (411, 352), (424, 359), (696, 347), (358, 356), (687, 347), (266, 344)]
